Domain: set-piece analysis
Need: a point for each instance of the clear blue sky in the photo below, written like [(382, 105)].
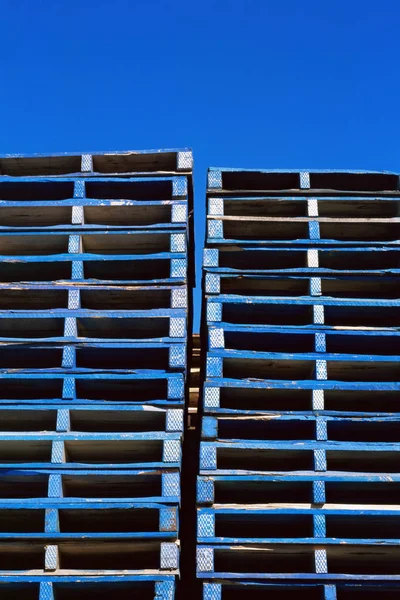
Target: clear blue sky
[(257, 83)]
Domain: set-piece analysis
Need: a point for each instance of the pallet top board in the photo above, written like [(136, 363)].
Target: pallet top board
[(254, 180), (121, 162)]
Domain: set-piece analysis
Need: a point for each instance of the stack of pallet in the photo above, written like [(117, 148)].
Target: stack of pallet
[(95, 308), (299, 483)]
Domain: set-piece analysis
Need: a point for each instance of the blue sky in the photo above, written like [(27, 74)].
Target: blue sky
[(283, 84)]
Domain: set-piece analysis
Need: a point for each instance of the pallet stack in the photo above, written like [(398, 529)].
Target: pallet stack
[(95, 313), (299, 483)]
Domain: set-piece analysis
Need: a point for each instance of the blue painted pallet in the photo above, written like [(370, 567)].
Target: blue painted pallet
[(290, 591), (35, 203), (94, 418), (299, 562), (283, 426), (49, 585), (48, 296), (160, 161), (142, 387), (75, 450), (268, 339), (227, 180), (102, 521), (85, 186), (303, 312), (349, 286), (30, 487), (134, 269), (300, 488), (124, 244), (289, 524), (301, 231), (252, 457), (332, 397), (315, 205), (74, 325), (273, 220), (303, 365), (80, 215), (87, 357), (259, 260), (88, 557), (125, 256)]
